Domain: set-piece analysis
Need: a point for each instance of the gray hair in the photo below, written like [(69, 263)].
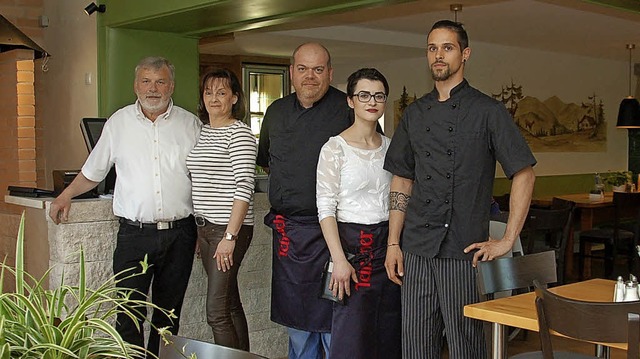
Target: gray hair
[(156, 63)]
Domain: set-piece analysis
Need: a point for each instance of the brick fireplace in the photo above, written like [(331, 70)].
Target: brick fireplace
[(17, 136), (20, 133)]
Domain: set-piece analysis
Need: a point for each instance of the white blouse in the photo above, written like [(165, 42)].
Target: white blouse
[(352, 185)]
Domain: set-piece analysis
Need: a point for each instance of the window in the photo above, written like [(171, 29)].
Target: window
[(263, 84)]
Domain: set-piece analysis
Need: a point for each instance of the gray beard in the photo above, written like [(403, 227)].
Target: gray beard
[(151, 108)]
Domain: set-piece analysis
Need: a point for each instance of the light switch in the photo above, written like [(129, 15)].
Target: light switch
[(43, 21), (88, 78)]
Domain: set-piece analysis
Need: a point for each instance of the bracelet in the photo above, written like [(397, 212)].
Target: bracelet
[(393, 244)]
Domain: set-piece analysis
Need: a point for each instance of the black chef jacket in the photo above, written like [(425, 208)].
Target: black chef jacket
[(449, 149), (290, 141)]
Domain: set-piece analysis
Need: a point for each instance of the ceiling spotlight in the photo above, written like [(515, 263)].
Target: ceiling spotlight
[(91, 8)]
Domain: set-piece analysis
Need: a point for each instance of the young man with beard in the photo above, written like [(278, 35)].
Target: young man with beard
[(148, 142), (293, 131), (443, 158)]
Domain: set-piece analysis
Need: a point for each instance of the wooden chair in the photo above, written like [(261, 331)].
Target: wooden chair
[(587, 321), (181, 348), (626, 206), (554, 226), (501, 276)]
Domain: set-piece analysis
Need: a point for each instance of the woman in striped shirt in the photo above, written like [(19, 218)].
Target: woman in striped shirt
[(222, 166)]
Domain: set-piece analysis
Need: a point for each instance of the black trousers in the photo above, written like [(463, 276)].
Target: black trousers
[(170, 256)]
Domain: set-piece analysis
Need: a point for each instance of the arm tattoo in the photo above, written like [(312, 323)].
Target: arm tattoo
[(398, 201)]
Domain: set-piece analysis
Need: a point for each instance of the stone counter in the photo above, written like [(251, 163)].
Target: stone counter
[(93, 227)]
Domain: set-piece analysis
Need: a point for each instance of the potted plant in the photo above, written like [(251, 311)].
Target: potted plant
[(618, 180), (71, 321)]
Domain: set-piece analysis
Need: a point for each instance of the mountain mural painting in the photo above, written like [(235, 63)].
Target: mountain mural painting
[(554, 126)]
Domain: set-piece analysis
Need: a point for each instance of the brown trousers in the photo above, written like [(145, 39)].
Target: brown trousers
[(225, 314)]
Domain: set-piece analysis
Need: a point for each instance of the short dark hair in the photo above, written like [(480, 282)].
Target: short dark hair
[(239, 109), (463, 38), (368, 74)]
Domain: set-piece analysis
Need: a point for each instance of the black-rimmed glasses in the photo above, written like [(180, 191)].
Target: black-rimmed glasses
[(365, 96)]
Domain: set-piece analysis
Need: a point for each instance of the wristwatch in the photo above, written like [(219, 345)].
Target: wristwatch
[(230, 237)]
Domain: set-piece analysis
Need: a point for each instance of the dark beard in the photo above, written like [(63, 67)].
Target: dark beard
[(441, 75)]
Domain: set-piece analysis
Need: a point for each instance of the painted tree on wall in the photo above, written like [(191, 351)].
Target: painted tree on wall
[(401, 104), (510, 96), (404, 100), (595, 115)]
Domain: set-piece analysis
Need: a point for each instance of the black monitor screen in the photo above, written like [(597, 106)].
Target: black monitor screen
[(91, 129)]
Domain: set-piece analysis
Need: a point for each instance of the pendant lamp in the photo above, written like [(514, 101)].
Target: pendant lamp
[(629, 112), (455, 8)]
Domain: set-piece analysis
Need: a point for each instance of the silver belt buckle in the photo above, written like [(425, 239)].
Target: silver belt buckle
[(162, 225)]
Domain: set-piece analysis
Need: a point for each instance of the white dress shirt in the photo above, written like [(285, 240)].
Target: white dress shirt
[(152, 182)]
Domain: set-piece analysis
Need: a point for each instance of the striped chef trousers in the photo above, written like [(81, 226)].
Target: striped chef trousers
[(434, 292)]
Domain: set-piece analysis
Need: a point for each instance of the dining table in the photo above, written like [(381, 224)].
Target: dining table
[(591, 210), (519, 311), (589, 206)]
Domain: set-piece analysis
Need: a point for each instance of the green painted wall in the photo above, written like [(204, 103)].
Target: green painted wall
[(632, 6), (198, 18), (551, 185), (130, 30), (122, 13), (119, 51)]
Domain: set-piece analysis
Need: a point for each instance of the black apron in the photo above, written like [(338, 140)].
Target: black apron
[(299, 255), (369, 324)]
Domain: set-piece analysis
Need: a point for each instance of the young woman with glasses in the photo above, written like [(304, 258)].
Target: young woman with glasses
[(353, 209)]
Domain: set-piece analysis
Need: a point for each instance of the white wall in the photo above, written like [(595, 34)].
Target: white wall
[(62, 97), (542, 75)]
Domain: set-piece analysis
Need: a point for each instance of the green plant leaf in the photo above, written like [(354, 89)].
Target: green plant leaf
[(144, 264), (83, 279), (20, 257), (70, 321)]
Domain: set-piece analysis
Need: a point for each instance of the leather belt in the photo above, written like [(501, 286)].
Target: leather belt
[(160, 226)]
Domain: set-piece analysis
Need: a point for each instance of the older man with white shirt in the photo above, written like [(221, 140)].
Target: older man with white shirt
[(148, 142)]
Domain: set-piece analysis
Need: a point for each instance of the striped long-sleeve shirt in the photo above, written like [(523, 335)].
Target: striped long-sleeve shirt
[(222, 166)]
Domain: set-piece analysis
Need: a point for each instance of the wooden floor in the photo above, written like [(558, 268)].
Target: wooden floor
[(531, 342)]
